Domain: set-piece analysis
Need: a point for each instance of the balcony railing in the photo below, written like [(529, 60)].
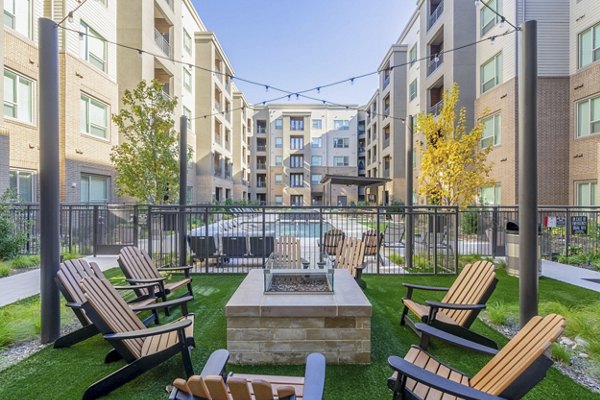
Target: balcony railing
[(386, 142), (434, 63), (162, 42), (261, 147), (218, 172), (261, 184), (435, 15), (436, 108), (261, 129), (261, 166)]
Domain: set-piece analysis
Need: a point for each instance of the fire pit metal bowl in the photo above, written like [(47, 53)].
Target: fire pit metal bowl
[(293, 281)]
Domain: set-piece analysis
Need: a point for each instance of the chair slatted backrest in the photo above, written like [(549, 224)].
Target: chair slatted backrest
[(69, 274), (114, 314), (237, 388), (331, 239), (137, 264), (372, 241), (287, 249), (470, 287), (350, 254), (519, 354)]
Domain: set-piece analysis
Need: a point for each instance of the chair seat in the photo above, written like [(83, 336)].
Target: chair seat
[(156, 343), (424, 360), (171, 286), (142, 302), (297, 382), (421, 311)]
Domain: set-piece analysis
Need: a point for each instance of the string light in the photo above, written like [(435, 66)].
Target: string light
[(69, 15)]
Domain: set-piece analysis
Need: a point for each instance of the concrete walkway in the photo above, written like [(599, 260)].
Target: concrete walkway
[(20, 286), (573, 275)]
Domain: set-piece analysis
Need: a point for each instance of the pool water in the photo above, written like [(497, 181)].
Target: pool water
[(299, 229)]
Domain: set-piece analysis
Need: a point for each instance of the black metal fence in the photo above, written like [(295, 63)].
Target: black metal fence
[(234, 239)]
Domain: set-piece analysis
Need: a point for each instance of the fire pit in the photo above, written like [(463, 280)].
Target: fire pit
[(289, 281)]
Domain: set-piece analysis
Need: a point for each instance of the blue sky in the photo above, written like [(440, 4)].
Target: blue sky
[(300, 44)]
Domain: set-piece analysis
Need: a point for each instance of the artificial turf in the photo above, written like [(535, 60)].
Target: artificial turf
[(66, 373)]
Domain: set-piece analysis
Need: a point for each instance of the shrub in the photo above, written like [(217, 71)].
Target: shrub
[(396, 258), (469, 222), (498, 312), (561, 353), (11, 239), (66, 256), (25, 262), (4, 269)]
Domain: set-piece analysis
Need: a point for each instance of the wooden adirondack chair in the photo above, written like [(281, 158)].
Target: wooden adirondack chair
[(373, 242), (460, 306), (142, 348), (70, 273), (287, 252), (350, 255), (510, 374), (331, 240), (214, 383), (137, 266)]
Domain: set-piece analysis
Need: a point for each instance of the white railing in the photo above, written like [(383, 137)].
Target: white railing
[(162, 42), (435, 15)]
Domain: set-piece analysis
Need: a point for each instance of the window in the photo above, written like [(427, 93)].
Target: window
[(261, 126), (278, 161), (187, 79), (297, 123), (488, 18), (412, 55), (491, 131), (296, 142), (189, 195), (94, 188), (278, 142), (316, 161), (315, 179), (341, 161), (278, 178), (341, 143), (412, 90), (296, 180), (18, 97), (589, 46), (188, 113), (585, 193), (92, 47), (341, 124), (94, 117), (278, 200), (18, 16), (187, 42), (588, 117), (296, 161), (491, 73), (21, 182), (297, 200), (278, 123), (317, 124), (317, 143), (491, 195)]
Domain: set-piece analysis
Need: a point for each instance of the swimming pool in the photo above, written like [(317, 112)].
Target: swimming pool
[(299, 229)]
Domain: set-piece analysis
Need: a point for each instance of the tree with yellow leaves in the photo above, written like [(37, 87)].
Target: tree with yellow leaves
[(453, 164)]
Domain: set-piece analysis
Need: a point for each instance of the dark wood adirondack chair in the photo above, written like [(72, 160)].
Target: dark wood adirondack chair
[(70, 273), (138, 267), (215, 383), (331, 240), (142, 348), (350, 255), (460, 306), (373, 242), (510, 374)]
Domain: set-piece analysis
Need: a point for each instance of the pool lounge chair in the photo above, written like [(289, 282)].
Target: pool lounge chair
[(460, 306), (510, 374), (142, 348), (215, 383)]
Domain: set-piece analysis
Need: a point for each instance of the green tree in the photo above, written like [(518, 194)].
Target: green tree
[(454, 166), (147, 160)]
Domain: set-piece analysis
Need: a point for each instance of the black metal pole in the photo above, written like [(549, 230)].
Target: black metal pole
[(49, 180), (528, 229), (408, 223), (183, 125)]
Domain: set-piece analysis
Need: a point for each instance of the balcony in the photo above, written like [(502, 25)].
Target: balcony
[(434, 63), (436, 108), (361, 150), (435, 15), (218, 172), (386, 142), (261, 166), (162, 41), (261, 184), (261, 147)]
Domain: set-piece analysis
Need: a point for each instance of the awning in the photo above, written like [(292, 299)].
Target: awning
[(353, 180)]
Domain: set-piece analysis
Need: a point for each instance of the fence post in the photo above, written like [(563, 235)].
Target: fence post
[(149, 223), (456, 230), (377, 237), (28, 228), (95, 231), (136, 225), (494, 237), (264, 228), (320, 233), (567, 231), (435, 240), (206, 241), (70, 229)]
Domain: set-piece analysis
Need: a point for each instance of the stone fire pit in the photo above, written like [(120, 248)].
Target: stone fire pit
[(267, 329)]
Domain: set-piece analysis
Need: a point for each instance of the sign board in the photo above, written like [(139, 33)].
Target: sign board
[(554, 221), (579, 224)]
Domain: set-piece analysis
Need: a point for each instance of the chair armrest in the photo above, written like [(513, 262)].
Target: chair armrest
[(163, 304), (449, 306), (135, 287), (314, 377), (152, 280), (184, 268), (437, 382), (159, 330), (74, 305), (216, 364), (455, 340), (422, 287)]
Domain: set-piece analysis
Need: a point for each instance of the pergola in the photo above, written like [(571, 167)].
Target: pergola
[(360, 181)]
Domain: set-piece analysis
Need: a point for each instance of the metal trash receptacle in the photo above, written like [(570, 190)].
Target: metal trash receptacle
[(513, 250)]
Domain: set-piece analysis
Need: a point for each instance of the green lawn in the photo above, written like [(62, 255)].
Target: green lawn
[(65, 373)]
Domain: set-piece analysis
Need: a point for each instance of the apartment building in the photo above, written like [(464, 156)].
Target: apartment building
[(496, 105), (584, 102), (242, 120), (294, 146), (88, 95)]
